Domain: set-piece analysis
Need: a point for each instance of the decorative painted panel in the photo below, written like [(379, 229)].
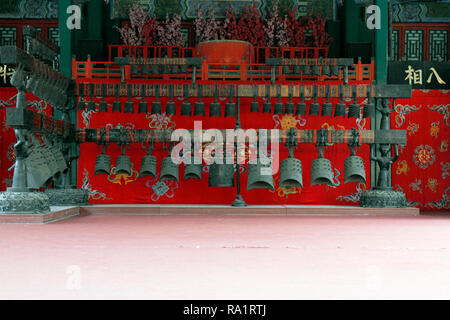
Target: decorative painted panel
[(8, 36), (438, 50), (53, 34), (413, 45), (394, 45)]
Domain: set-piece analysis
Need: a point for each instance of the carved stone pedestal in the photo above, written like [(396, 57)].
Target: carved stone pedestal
[(68, 197), (24, 202), (382, 199)]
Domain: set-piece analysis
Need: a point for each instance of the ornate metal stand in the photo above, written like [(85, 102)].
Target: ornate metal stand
[(383, 195), (19, 198)]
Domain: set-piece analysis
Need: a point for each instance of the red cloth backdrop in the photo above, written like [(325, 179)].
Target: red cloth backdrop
[(114, 188), (422, 170)]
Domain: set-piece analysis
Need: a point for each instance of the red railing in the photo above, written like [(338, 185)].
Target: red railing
[(208, 71), (261, 53)]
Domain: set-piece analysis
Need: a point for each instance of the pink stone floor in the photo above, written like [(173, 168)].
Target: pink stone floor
[(227, 257)]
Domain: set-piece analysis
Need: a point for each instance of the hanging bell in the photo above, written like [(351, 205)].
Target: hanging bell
[(297, 69), (143, 106), (339, 110), (192, 171), (301, 106), (368, 110), (155, 69), (81, 103), (103, 106), (314, 108), (116, 107), (186, 109), (214, 109), (291, 173), (134, 69), (221, 175), (321, 172), (286, 69), (278, 107), (156, 105), (199, 107), (186, 106), (354, 169), (260, 176), (254, 106), (230, 109), (91, 103), (316, 70), (306, 70), (170, 106), (327, 107), (267, 107), (148, 166), (102, 164), (326, 70), (289, 108), (340, 107), (335, 71), (123, 165), (38, 172), (169, 170), (175, 69), (369, 107), (354, 110), (230, 106), (128, 107)]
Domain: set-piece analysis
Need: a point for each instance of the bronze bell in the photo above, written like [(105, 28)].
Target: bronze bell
[(186, 106), (278, 108), (296, 69), (230, 106), (123, 165), (192, 171), (321, 171), (91, 103), (327, 107), (289, 108), (314, 108), (340, 107), (335, 71), (267, 106), (155, 69), (116, 107), (143, 106), (369, 107), (306, 70), (354, 109), (199, 107), (214, 107), (354, 169), (169, 170), (102, 164), (170, 106), (291, 173), (316, 70), (156, 105), (221, 175), (260, 176), (301, 106), (81, 105), (103, 106), (354, 165), (148, 166), (129, 107), (326, 70), (254, 106)]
